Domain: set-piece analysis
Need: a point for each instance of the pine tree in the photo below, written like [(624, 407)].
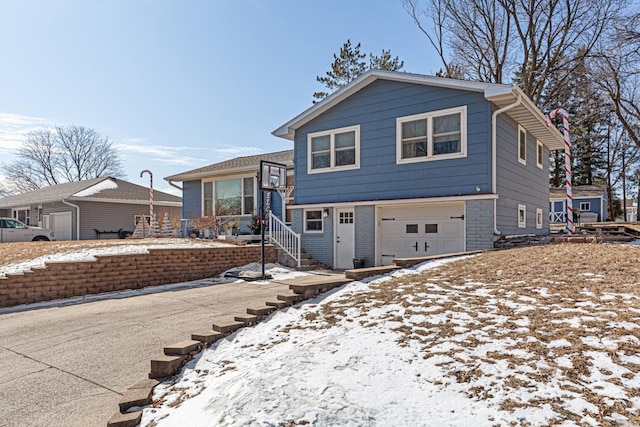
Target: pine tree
[(349, 64)]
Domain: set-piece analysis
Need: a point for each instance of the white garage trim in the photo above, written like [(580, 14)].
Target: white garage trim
[(435, 200)]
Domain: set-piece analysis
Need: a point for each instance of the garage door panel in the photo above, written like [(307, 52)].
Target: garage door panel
[(420, 230)]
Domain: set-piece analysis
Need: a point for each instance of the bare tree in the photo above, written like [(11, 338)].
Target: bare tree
[(62, 154), (500, 40)]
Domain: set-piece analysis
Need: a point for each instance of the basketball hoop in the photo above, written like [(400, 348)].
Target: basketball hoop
[(273, 176)]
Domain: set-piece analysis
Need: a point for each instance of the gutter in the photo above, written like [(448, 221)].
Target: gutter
[(494, 158), (77, 217), (174, 185)]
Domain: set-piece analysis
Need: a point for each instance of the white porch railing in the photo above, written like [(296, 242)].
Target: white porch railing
[(557, 217), (283, 236)]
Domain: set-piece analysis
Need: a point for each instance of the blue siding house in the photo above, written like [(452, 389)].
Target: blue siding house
[(589, 202), (405, 165), (229, 189)]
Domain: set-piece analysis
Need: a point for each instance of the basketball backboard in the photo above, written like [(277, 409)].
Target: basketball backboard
[(273, 176)]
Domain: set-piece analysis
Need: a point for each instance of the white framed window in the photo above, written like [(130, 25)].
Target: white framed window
[(538, 218), (226, 197), (585, 206), (436, 135), (313, 221), (334, 150), (23, 215), (522, 145), (539, 154), (522, 216)]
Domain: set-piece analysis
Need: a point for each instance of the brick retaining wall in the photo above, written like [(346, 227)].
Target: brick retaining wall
[(110, 273)]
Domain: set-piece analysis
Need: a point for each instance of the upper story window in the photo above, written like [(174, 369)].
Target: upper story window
[(337, 149), (225, 197), (432, 136), (540, 154), (522, 145)]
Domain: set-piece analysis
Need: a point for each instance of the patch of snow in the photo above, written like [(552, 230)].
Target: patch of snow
[(107, 184)]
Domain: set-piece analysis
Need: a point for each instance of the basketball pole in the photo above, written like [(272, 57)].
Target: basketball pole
[(262, 228)]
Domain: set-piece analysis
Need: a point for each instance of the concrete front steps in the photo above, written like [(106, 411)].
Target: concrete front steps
[(176, 355), (307, 262)]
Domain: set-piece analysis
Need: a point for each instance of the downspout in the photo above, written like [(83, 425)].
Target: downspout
[(77, 217), (494, 159)]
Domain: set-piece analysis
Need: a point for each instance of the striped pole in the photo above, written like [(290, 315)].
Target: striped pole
[(150, 197), (567, 163)]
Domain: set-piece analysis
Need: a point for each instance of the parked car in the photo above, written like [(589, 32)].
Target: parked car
[(12, 230)]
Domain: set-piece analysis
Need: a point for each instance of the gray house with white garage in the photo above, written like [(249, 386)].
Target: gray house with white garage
[(405, 165), (104, 208)]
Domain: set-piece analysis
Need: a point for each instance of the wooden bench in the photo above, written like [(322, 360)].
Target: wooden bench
[(101, 232)]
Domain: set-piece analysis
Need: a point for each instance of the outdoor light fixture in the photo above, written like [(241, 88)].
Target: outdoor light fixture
[(325, 213)]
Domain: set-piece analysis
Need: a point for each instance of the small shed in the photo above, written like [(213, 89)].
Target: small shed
[(589, 203)]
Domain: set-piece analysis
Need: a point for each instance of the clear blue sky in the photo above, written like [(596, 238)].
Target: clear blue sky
[(181, 84)]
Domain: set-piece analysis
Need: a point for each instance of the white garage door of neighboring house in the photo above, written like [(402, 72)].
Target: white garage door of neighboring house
[(420, 230), (60, 223)]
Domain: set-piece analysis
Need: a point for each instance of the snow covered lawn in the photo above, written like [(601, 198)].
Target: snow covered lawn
[(526, 337)]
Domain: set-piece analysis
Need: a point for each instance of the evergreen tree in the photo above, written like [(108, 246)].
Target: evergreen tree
[(349, 64)]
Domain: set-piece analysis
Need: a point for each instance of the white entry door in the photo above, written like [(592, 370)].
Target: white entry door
[(420, 230), (61, 225), (345, 239)]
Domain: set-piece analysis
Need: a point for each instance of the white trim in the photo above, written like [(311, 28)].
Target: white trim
[(522, 224), (539, 154), (226, 178), (587, 203), (332, 150), (304, 221), (539, 219), (446, 199), (429, 116), (129, 202), (521, 129)]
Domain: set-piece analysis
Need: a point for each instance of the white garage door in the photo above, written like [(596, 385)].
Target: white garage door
[(420, 230), (61, 225)]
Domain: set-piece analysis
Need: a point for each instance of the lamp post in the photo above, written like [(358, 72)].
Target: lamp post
[(150, 195)]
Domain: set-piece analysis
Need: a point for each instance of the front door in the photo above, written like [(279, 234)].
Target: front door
[(345, 239)]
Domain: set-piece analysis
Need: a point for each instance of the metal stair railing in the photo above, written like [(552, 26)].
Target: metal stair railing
[(283, 236)]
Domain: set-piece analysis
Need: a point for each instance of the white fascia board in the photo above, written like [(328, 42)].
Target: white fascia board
[(126, 202), (397, 201)]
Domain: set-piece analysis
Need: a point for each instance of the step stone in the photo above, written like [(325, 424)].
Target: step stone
[(135, 397), (227, 328), (278, 304), (247, 319), (290, 298), (130, 419), (164, 366), (181, 348), (207, 337), (260, 311)]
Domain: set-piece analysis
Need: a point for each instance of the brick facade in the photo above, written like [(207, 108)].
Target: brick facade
[(110, 273)]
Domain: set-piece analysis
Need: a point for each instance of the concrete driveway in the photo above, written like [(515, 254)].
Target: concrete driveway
[(69, 366)]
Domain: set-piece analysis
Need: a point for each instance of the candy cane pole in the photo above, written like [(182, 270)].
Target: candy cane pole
[(150, 196), (567, 163)]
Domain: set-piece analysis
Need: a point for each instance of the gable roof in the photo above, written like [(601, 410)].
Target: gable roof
[(526, 113), (105, 189), (579, 191), (237, 165)]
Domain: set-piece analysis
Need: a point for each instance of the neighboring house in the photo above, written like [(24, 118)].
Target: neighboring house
[(229, 189), (405, 165), (75, 210), (589, 201), (632, 211)]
